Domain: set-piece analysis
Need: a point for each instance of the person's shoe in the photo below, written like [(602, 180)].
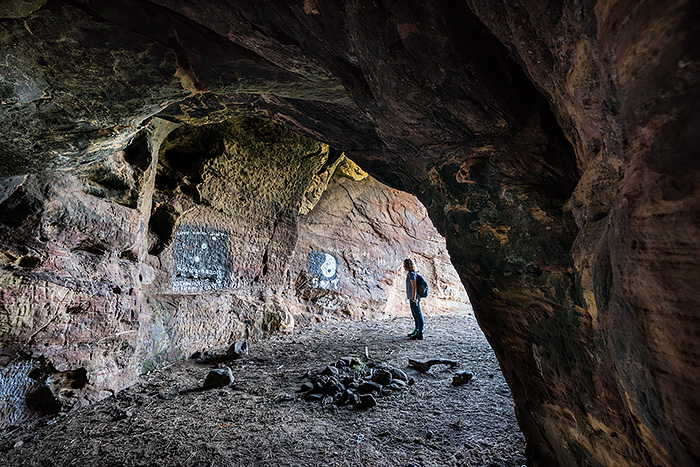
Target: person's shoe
[(413, 333), (418, 336)]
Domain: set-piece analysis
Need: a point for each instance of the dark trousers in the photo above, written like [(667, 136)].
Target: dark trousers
[(417, 315)]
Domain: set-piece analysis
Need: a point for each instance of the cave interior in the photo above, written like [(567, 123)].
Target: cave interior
[(159, 159)]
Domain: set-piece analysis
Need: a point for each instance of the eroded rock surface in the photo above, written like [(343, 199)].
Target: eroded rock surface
[(184, 243), (349, 257), (554, 145)]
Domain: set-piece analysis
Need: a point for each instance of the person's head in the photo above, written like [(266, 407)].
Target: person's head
[(408, 265)]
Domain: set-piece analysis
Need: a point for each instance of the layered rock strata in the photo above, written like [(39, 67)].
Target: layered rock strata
[(183, 243), (553, 143)]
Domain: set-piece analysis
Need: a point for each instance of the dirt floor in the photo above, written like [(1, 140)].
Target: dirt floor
[(262, 421)]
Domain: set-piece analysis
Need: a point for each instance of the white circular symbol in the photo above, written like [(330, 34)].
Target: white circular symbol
[(329, 266)]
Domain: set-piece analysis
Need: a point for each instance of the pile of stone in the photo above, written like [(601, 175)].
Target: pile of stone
[(352, 382)]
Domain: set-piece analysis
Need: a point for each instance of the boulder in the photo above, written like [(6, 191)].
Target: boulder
[(461, 378), (218, 377), (399, 374), (237, 350), (330, 370), (306, 387), (333, 386), (382, 377), (367, 401)]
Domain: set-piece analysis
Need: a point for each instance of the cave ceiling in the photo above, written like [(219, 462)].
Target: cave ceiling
[(554, 145)]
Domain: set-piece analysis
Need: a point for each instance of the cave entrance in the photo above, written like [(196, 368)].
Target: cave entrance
[(318, 253), (252, 209), (253, 230)]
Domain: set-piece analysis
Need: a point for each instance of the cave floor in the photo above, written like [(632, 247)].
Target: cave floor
[(261, 420)]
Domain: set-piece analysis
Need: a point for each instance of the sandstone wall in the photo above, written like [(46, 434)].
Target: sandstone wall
[(362, 231), (553, 143), (187, 241)]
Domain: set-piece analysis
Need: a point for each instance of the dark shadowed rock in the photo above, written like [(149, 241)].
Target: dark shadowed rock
[(237, 350), (306, 387), (218, 377), (19, 9), (461, 378), (382, 377), (344, 362), (41, 399), (333, 386), (367, 401), (347, 380), (344, 397), (330, 371), (319, 386), (369, 387)]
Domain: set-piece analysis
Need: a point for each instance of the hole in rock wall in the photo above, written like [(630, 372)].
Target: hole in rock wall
[(28, 262), (137, 153), (17, 208), (33, 386), (161, 224)]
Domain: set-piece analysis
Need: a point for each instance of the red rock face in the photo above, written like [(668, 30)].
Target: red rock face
[(554, 146), (220, 204), (349, 257), (68, 289)]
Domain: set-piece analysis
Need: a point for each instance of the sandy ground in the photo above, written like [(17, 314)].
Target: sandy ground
[(262, 421)]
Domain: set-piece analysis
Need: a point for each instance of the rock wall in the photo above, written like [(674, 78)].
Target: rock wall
[(553, 143), (224, 224), (183, 243), (70, 297), (349, 257)]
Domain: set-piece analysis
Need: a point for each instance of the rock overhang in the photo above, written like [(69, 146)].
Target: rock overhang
[(536, 136)]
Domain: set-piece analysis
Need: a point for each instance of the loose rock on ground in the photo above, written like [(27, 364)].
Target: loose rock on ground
[(260, 420)]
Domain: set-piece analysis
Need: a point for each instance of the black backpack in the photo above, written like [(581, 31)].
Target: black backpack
[(422, 286)]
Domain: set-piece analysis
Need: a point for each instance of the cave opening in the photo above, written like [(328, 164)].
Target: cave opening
[(553, 144), (253, 230)]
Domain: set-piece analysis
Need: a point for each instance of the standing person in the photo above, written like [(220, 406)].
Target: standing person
[(413, 299)]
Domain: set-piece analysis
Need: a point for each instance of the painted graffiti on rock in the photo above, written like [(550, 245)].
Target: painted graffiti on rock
[(323, 268), (14, 384), (201, 259)]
